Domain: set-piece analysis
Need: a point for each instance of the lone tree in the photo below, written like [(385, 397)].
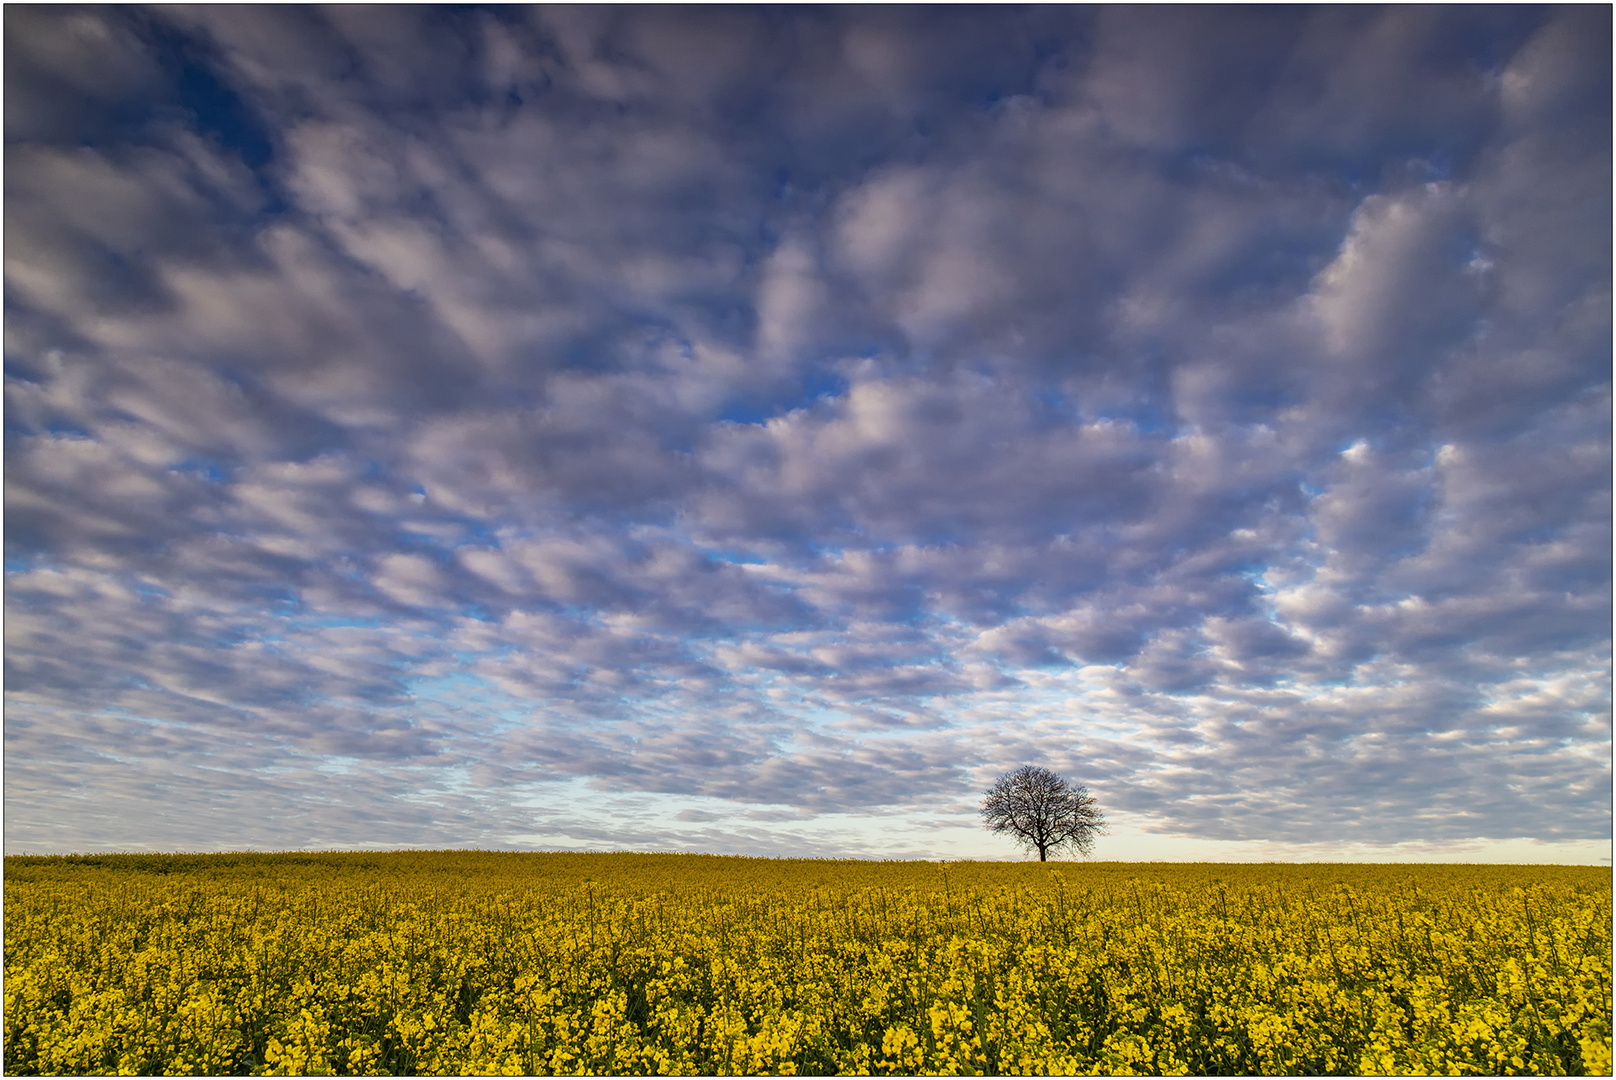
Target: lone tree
[(1043, 812)]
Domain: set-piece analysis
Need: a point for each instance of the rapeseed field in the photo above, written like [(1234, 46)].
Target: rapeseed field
[(497, 963)]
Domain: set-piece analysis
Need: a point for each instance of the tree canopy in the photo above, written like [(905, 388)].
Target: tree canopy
[(1043, 812)]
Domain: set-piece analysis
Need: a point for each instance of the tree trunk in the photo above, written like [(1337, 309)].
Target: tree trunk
[(1042, 857)]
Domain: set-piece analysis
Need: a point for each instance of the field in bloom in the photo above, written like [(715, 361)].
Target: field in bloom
[(499, 963)]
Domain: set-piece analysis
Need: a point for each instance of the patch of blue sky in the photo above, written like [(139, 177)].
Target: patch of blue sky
[(491, 708), (1082, 694), (476, 532), (331, 622), (64, 429), (206, 468), (734, 556), (822, 547), (216, 110), (809, 715), (820, 383)]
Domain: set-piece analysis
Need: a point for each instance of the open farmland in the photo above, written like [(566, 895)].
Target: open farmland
[(477, 962)]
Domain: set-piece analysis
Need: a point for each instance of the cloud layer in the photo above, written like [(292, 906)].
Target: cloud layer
[(510, 427)]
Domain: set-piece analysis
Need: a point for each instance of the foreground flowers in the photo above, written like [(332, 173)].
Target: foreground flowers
[(489, 963)]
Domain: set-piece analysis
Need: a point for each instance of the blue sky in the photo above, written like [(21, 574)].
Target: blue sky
[(754, 430)]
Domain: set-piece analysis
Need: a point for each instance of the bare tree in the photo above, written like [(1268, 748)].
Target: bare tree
[(1043, 812)]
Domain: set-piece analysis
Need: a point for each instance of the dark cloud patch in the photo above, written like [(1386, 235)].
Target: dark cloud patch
[(771, 420), (73, 74)]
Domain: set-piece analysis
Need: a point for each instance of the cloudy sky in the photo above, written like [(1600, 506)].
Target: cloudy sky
[(753, 430)]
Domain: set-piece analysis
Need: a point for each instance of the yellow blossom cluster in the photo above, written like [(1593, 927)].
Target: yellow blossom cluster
[(490, 963)]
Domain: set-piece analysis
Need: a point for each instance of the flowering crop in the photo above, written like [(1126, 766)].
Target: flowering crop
[(497, 963)]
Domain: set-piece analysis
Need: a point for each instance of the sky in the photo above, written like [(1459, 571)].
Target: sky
[(753, 430)]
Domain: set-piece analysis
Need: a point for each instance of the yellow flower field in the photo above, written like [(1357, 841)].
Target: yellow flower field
[(497, 963)]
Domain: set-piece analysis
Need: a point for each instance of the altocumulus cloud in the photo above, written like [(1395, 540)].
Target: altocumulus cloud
[(730, 428)]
